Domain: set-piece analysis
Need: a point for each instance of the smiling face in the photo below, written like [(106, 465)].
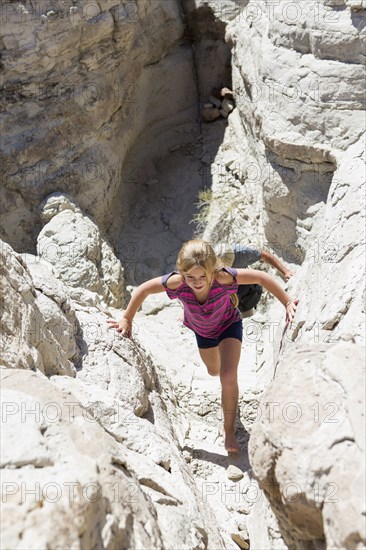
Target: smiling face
[(196, 279)]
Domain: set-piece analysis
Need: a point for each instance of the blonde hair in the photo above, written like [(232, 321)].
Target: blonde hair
[(197, 252)]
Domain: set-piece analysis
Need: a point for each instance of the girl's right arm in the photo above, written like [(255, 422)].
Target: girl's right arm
[(124, 326)]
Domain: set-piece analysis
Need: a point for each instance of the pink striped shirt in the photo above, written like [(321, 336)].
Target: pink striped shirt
[(215, 315)]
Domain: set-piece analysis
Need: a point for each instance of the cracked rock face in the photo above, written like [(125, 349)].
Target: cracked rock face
[(73, 244), (101, 105), (330, 280), (79, 82), (67, 468), (38, 324), (307, 449), (96, 451), (298, 80)]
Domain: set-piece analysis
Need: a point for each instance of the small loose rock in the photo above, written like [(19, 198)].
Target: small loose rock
[(234, 473), (240, 541)]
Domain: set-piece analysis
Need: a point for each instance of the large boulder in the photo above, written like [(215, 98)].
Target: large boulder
[(73, 243), (307, 446), (329, 283), (76, 456), (113, 363), (65, 481), (38, 325)]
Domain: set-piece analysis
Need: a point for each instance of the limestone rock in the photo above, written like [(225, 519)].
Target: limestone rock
[(263, 528), (71, 470), (112, 362), (37, 328), (240, 541), (154, 303), (334, 265), (55, 304), (73, 244), (297, 139), (234, 473), (135, 472), (315, 482), (69, 84), (116, 412)]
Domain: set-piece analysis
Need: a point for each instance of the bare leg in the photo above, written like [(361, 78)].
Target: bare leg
[(229, 349), (211, 359)]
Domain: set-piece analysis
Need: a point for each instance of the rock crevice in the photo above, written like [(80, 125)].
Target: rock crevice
[(118, 443)]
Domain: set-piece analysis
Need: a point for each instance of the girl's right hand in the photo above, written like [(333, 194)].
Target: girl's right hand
[(124, 326)]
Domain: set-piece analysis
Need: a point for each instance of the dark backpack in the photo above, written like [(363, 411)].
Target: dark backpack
[(249, 296)]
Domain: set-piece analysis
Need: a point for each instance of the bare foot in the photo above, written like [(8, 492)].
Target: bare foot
[(231, 445)]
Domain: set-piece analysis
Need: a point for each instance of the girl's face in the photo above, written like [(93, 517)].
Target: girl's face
[(196, 279)]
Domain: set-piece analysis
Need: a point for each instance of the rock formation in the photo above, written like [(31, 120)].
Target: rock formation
[(97, 452), (289, 177), (38, 323), (298, 81), (307, 449), (115, 444), (109, 76), (72, 243)]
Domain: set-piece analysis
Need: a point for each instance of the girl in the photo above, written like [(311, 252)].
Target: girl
[(207, 291)]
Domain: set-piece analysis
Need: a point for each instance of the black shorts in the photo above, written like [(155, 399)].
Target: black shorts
[(235, 330)]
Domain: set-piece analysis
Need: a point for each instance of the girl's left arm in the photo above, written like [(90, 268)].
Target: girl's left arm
[(254, 276)]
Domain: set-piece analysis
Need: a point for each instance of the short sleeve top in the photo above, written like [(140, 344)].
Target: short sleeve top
[(245, 255), (215, 315)]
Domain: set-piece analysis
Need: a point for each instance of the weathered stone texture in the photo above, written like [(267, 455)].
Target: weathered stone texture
[(307, 449)]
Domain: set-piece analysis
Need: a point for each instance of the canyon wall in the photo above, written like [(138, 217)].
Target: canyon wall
[(103, 155), (298, 80), (289, 177), (83, 84)]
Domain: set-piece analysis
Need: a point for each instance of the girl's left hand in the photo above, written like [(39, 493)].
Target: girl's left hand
[(290, 311)]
